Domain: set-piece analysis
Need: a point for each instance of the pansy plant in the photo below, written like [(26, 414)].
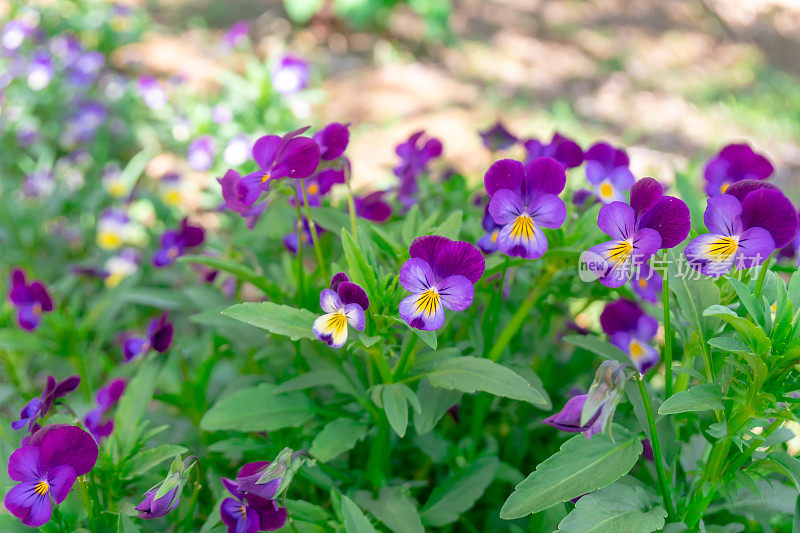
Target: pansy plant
[(344, 304)]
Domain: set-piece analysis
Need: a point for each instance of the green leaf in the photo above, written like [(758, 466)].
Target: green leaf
[(359, 269), (15, 339), (392, 507), (134, 402), (394, 403), (698, 398), (746, 297), (618, 507), (336, 438), (728, 343), (471, 374), (753, 334), (279, 319), (459, 492), (258, 409), (301, 11), (580, 466), (125, 524), (786, 464), (317, 378), (434, 403), (151, 457), (354, 519), (598, 346), (451, 226), (429, 337), (693, 296), (155, 297), (410, 223)]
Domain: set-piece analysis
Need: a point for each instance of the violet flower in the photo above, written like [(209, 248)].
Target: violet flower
[(290, 74), (237, 34), (247, 511), (238, 197), (734, 163), (415, 155), (159, 338), (373, 207), (497, 137), (607, 170), (647, 282), (46, 469), (113, 226), (152, 507), (631, 330), (151, 92), (201, 153), (174, 243), (96, 421), (765, 206), (569, 418), (30, 299), (344, 303), (604, 394), (561, 148), (524, 199), (333, 140), (737, 237), (40, 71), (488, 243), (440, 274), (83, 71)]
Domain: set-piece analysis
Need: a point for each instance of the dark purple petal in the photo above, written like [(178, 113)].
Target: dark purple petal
[(372, 207), (248, 476), (298, 159), (237, 195), (270, 516), (337, 279), (332, 140), (670, 218), (567, 151), (542, 176), (66, 386), (39, 293), (645, 194), (18, 293), (621, 315), (350, 293), (326, 179), (62, 444), (504, 174), (191, 235), (741, 189), (569, 418), (109, 395), (497, 137), (771, 210), (449, 258)]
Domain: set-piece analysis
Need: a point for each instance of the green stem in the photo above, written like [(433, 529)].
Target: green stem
[(351, 204), (667, 335), (656, 445), (300, 274), (762, 275), (402, 364), (323, 266), (87, 503), (382, 364), (378, 461)]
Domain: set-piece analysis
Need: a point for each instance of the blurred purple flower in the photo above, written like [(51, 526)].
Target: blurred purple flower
[(237, 35), (734, 163), (30, 299), (332, 140), (373, 207), (159, 338), (415, 154), (96, 421), (201, 153), (497, 137), (290, 74), (607, 170), (151, 92), (631, 330), (174, 243), (40, 71), (561, 148)]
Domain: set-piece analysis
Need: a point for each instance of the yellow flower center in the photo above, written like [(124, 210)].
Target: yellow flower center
[(522, 227), (313, 188), (620, 252), (494, 236), (636, 350), (428, 302), (724, 187), (37, 309), (242, 510), (723, 248), (108, 240), (337, 322), (172, 197), (116, 189), (114, 278), (606, 190), (42, 487), (265, 177), (172, 252)]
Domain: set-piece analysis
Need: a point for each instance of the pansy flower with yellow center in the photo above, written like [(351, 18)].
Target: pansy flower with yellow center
[(439, 275), (631, 330), (113, 227), (735, 163), (488, 243), (171, 189), (647, 282), (740, 235), (175, 241), (30, 299), (607, 170), (525, 200), (344, 304)]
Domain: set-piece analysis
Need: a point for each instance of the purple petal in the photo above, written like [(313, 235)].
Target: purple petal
[(645, 194), (569, 418), (337, 279), (670, 218), (621, 315), (329, 301), (238, 197), (548, 211), (270, 517), (543, 176), (25, 464), (567, 152), (647, 283), (133, 347), (610, 262), (327, 179), (231, 486), (61, 479), (332, 140), (26, 504), (646, 242), (299, 158), (505, 206), (711, 254), (231, 512), (416, 275), (18, 294), (617, 220), (741, 189), (39, 293), (755, 245), (456, 292), (771, 210), (355, 316), (350, 293), (28, 318), (423, 311), (504, 174), (522, 238), (66, 386), (595, 172), (265, 149), (723, 215), (449, 258), (109, 395), (62, 444), (488, 243)]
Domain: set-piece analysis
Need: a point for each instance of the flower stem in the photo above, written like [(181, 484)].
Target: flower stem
[(351, 203), (656, 445), (300, 274), (762, 275), (87, 503), (323, 266), (405, 357), (667, 334)]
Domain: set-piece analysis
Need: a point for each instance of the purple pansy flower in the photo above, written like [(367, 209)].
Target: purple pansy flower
[(731, 242), (151, 92), (647, 283), (30, 299), (668, 215), (201, 153), (152, 507), (175, 241), (498, 137), (415, 154), (631, 330), (488, 243), (765, 206), (569, 418), (159, 338), (238, 197), (237, 34), (332, 140), (290, 74), (290, 156), (247, 512), (106, 397), (607, 170), (734, 163), (40, 406), (373, 207), (46, 469), (14, 34), (344, 303), (40, 71), (440, 274), (84, 70), (524, 199), (318, 185), (561, 148)]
